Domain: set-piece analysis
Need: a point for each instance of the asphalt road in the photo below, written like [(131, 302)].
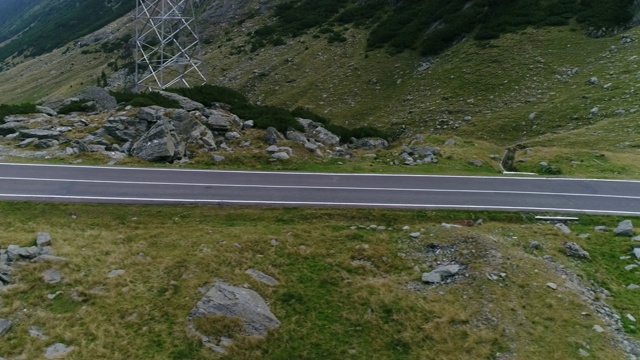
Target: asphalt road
[(62, 183)]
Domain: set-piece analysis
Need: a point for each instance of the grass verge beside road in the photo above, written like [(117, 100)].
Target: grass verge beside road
[(347, 290)]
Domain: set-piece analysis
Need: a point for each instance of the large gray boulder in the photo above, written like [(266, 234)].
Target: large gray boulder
[(624, 228), (46, 110), (184, 102), (297, 136), (231, 301), (192, 131), (222, 120), (151, 114), (11, 128), (43, 239), (39, 134), (123, 128), (160, 143), (371, 144), (272, 136), (103, 101), (324, 136)]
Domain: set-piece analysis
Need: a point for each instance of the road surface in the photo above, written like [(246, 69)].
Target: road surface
[(92, 184)]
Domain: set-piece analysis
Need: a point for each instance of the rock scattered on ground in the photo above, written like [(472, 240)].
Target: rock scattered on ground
[(624, 228), (440, 273), (57, 350), (564, 228), (115, 273), (262, 277), (575, 250), (51, 276), (5, 326)]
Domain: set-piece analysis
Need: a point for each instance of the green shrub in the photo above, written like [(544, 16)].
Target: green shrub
[(308, 114), (24, 108), (208, 94), (74, 106), (144, 99)]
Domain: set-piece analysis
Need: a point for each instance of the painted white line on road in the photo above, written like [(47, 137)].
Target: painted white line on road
[(311, 203), (301, 187), (314, 173)]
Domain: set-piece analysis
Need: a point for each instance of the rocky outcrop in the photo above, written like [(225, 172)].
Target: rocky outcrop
[(160, 143)]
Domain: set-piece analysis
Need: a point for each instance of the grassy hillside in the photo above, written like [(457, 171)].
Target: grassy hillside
[(40, 27), (346, 290)]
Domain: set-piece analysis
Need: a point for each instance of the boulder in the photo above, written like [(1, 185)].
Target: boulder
[(325, 136), (11, 128), (160, 143), (222, 120), (192, 131), (234, 302), (231, 301), (43, 239), (125, 129), (102, 99), (371, 144), (46, 110), (564, 228), (151, 113), (624, 228), (297, 136), (280, 156), (272, 136), (475, 162), (184, 102), (39, 134), (574, 250)]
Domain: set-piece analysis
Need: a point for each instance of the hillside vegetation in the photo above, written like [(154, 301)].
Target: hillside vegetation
[(531, 85)]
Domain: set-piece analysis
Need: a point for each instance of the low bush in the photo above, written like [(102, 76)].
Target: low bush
[(74, 106), (24, 108), (144, 99)]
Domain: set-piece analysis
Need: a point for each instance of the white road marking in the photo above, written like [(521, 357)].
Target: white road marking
[(316, 187), (318, 174), (313, 203)]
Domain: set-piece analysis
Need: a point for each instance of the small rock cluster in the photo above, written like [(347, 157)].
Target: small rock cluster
[(42, 251), (416, 155)]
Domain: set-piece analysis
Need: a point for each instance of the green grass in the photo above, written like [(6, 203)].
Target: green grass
[(343, 290)]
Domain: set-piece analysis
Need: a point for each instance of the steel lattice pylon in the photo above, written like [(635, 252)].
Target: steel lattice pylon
[(167, 44)]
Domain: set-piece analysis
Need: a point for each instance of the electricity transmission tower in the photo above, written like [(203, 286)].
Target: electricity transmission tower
[(167, 44)]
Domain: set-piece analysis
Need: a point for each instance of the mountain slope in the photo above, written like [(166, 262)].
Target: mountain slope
[(477, 89), (35, 27)]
